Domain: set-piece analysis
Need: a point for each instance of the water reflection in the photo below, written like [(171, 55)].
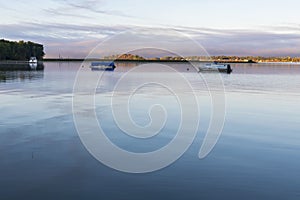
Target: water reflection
[(266, 68), (21, 72), (257, 156)]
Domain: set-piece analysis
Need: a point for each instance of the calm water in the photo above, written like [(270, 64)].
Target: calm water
[(256, 157)]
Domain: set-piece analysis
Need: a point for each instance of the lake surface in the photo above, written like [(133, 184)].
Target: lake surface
[(256, 157)]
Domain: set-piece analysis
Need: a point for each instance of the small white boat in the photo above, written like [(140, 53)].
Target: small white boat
[(33, 60), (103, 66), (216, 67)]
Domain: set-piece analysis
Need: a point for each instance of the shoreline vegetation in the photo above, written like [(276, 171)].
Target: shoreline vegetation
[(267, 60), (17, 51), (219, 59)]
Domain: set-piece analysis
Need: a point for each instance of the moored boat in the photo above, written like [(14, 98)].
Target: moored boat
[(216, 67), (33, 60), (103, 65)]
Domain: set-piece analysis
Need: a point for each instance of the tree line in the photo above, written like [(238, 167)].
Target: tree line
[(12, 50)]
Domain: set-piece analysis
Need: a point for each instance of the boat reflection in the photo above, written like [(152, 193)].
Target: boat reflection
[(33, 65), (21, 72), (21, 67)]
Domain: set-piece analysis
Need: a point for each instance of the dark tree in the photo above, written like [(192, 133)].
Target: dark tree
[(11, 50)]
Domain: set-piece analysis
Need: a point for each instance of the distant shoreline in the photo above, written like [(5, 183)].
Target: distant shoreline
[(131, 60), (159, 61), (134, 60)]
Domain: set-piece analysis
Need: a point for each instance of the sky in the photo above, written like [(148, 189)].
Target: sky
[(223, 27)]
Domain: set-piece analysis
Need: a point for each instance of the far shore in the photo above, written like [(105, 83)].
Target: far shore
[(134, 60)]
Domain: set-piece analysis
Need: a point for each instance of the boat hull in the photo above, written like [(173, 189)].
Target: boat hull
[(226, 68), (103, 66)]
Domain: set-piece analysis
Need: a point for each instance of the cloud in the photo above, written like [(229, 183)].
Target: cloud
[(267, 41), (253, 43), (60, 12), (77, 40), (83, 9)]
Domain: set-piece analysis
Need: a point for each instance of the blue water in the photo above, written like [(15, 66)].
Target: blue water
[(256, 157)]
